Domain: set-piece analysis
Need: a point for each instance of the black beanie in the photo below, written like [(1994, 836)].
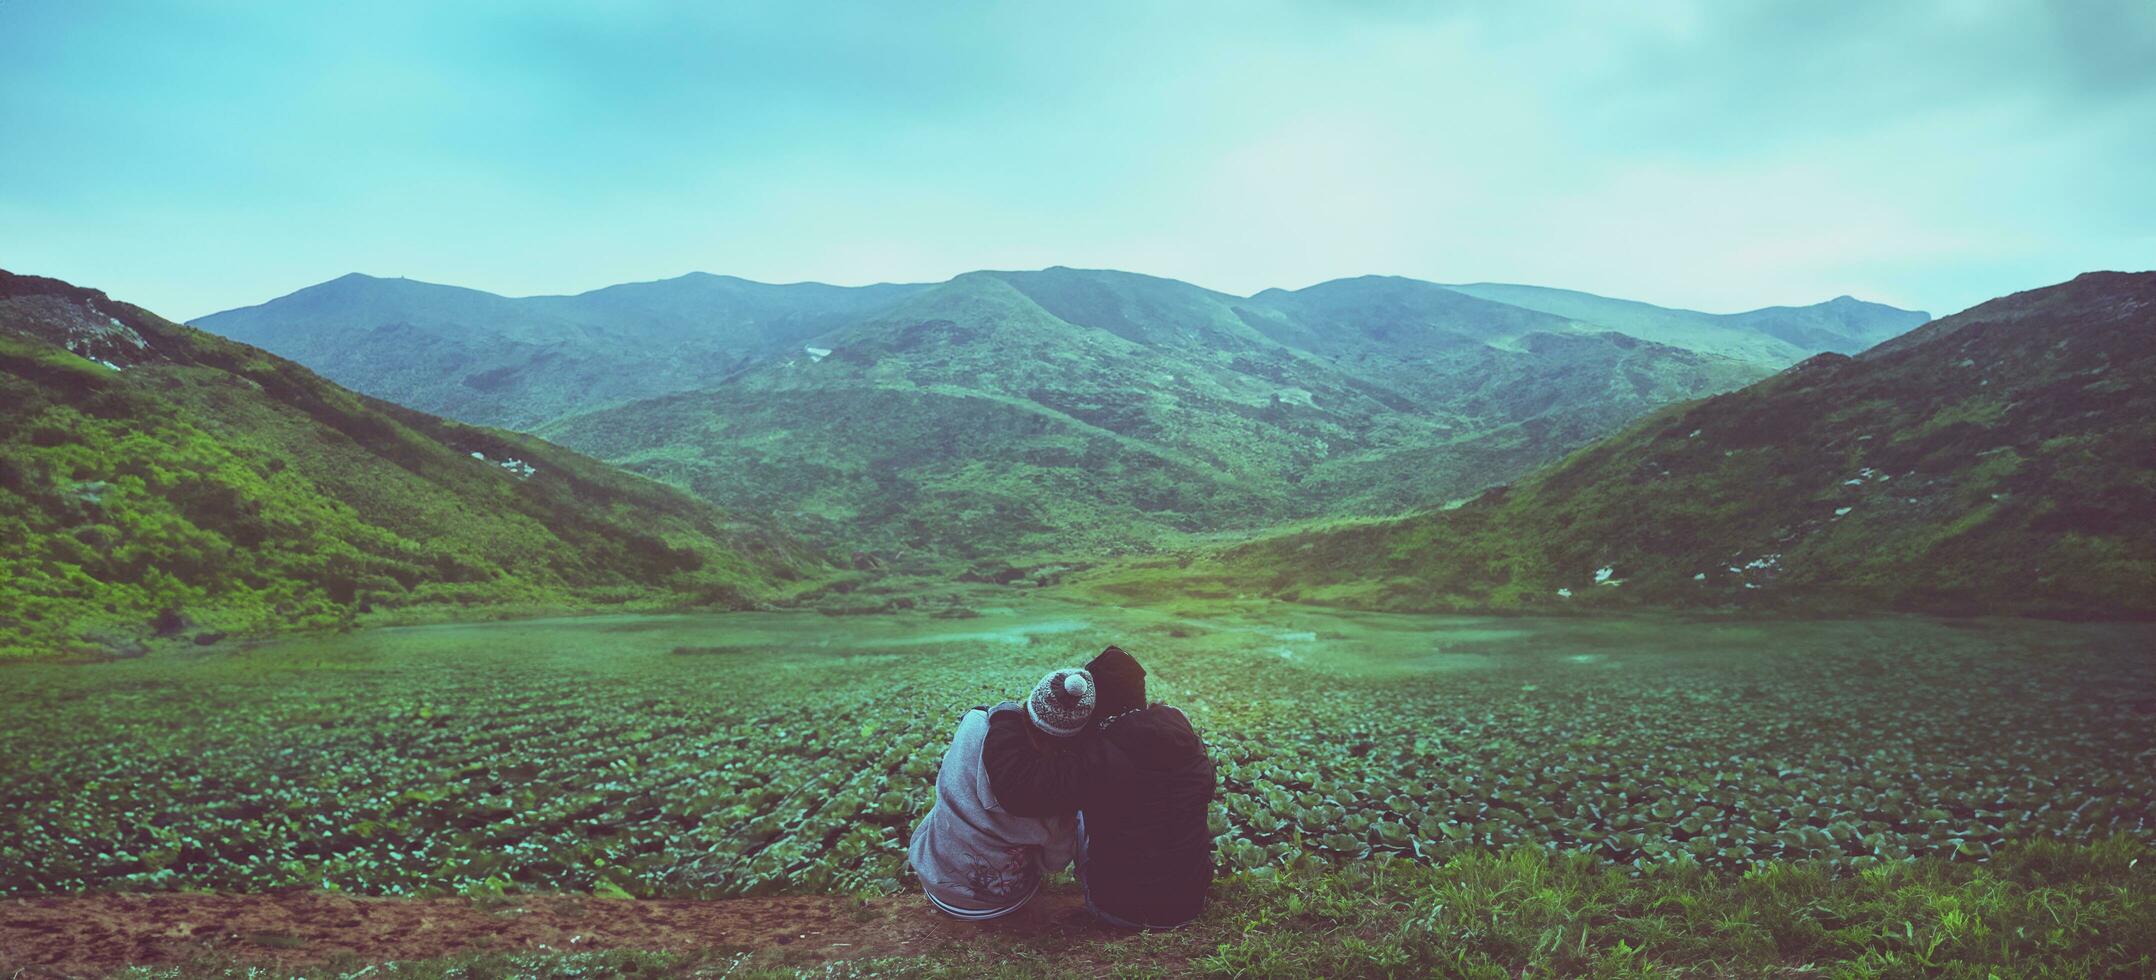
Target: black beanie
[(1118, 681)]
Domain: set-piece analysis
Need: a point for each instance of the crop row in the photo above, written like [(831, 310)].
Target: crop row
[(805, 772)]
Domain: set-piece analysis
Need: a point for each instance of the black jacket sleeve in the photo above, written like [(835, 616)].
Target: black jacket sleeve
[(1027, 782)]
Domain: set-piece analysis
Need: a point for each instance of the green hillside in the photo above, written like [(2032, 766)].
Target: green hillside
[(2002, 460), (1064, 414), (495, 360), (154, 478)]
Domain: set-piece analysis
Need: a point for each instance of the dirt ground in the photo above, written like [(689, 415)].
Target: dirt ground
[(90, 935)]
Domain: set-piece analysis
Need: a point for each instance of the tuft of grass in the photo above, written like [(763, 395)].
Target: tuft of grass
[(2042, 909)]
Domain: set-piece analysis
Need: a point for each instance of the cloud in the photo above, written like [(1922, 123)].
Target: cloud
[(1714, 154)]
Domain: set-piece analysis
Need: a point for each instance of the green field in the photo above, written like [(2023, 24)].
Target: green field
[(756, 753)]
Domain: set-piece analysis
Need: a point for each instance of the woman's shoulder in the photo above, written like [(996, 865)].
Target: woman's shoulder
[(1152, 730)]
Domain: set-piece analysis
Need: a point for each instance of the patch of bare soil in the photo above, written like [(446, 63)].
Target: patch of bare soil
[(91, 935)]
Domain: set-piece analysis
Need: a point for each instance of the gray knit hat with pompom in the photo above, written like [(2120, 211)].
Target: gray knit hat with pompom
[(1062, 702)]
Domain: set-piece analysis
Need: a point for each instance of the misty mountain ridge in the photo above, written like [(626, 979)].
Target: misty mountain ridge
[(1781, 335), (521, 362), (494, 360)]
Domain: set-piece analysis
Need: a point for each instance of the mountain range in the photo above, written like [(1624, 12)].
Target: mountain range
[(1048, 414), (1998, 461), (157, 478), (154, 477)]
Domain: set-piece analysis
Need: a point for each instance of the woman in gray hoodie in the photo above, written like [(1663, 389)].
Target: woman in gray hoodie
[(976, 860)]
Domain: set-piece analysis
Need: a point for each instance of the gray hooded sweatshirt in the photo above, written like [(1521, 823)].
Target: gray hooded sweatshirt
[(968, 852)]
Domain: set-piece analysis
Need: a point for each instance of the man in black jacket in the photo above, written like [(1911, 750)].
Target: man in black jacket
[(1142, 784)]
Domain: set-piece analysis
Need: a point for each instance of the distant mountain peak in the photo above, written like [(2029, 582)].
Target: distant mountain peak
[(352, 281), (699, 275)]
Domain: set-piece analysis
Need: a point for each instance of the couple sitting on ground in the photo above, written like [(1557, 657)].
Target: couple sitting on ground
[(1087, 773)]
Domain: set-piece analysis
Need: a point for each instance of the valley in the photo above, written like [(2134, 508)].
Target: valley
[(1040, 418), (677, 491), (1657, 672)]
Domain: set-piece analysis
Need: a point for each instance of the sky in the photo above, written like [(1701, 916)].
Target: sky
[(192, 156)]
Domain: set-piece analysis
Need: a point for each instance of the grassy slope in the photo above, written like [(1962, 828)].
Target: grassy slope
[(1069, 413), (210, 479), (1999, 461)]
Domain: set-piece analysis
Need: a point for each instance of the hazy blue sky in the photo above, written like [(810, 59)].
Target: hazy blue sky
[(192, 156)]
